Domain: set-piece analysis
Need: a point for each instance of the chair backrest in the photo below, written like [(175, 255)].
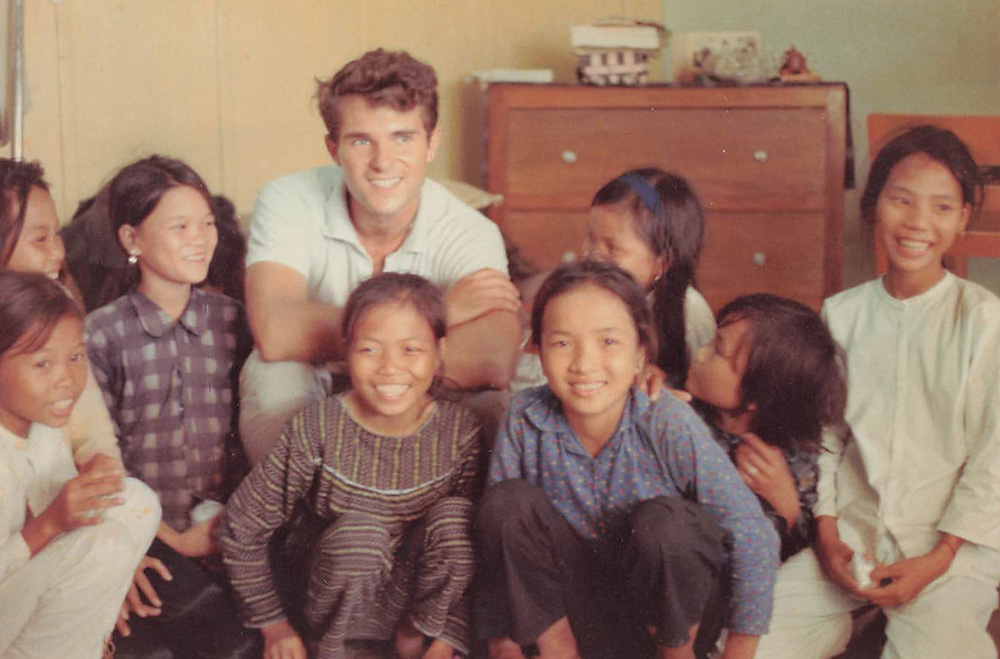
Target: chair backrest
[(982, 135)]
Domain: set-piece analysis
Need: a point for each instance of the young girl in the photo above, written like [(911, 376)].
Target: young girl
[(69, 542), (387, 473), (650, 224), (29, 242), (605, 524), (167, 357), (767, 385), (916, 488)]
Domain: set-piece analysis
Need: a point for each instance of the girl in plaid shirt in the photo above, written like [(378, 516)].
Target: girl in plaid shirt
[(167, 356)]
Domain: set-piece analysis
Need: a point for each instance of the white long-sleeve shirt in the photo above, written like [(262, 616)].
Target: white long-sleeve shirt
[(32, 471), (924, 409)]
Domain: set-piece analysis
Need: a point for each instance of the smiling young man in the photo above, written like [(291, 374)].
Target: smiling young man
[(317, 234)]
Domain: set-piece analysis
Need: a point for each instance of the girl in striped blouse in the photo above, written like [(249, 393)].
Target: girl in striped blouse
[(386, 474)]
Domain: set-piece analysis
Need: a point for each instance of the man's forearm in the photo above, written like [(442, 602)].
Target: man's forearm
[(303, 331), (483, 353)]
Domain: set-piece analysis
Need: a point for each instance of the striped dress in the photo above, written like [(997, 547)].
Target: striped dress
[(395, 513)]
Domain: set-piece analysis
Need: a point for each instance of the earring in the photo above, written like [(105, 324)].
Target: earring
[(133, 257)]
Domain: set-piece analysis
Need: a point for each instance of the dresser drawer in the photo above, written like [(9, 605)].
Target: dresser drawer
[(781, 253), (739, 158)]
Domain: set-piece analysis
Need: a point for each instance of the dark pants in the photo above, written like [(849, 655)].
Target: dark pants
[(533, 570), (198, 618)]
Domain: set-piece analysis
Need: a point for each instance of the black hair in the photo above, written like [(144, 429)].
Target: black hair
[(673, 229), (608, 276), (942, 146), (31, 305), (17, 177), (136, 190), (402, 288), (795, 373)]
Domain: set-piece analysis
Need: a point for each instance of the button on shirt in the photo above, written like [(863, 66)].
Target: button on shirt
[(660, 448), (170, 386), (924, 409)]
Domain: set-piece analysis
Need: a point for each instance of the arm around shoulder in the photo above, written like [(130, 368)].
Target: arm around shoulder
[(286, 325)]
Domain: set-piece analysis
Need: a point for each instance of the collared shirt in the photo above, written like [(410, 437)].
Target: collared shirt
[(660, 448), (924, 409), (32, 472), (171, 389)]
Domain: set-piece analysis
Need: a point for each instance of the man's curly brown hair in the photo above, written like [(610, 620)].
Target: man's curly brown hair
[(383, 78)]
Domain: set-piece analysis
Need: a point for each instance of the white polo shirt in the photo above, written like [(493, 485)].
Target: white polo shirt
[(302, 221)]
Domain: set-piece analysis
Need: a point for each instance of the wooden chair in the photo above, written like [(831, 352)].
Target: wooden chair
[(981, 239)]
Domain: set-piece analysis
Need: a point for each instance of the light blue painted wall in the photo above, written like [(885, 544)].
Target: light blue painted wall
[(907, 56)]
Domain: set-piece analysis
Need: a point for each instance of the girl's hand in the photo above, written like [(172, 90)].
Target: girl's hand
[(199, 540), (652, 381), (834, 555), (909, 577), (439, 649), (134, 602), (765, 471), (83, 499), (281, 641)]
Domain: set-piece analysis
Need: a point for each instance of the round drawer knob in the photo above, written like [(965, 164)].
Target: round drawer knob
[(568, 157), (760, 155), (759, 258), (569, 257)]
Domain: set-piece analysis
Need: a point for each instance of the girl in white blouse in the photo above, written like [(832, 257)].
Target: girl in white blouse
[(69, 542), (914, 490)]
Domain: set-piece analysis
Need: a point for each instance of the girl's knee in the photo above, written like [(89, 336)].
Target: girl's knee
[(356, 544), (673, 527), (508, 502)]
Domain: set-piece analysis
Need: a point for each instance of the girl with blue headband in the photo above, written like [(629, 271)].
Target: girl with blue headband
[(650, 223)]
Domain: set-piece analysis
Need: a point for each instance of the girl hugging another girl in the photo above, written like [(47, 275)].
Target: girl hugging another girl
[(385, 475)]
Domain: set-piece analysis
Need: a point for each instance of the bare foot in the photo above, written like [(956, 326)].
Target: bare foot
[(558, 642), (504, 648)]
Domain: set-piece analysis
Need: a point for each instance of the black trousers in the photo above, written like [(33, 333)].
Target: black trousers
[(198, 619), (533, 570)]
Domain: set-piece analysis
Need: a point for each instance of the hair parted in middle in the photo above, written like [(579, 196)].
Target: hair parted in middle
[(398, 287), (607, 276), (796, 373), (384, 78)]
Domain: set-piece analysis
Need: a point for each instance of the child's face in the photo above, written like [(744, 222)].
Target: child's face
[(42, 386), (918, 215), (717, 370), (392, 360), (39, 247), (176, 242), (612, 237), (590, 354)]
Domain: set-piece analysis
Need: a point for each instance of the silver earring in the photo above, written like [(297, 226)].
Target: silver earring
[(133, 257)]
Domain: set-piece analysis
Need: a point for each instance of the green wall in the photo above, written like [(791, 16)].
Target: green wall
[(906, 56)]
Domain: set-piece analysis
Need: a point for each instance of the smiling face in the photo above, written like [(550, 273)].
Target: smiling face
[(392, 360), (42, 386), (612, 237), (919, 213), (174, 244), (591, 355), (384, 154), (39, 247), (717, 371)]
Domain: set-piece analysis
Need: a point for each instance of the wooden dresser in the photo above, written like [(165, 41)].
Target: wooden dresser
[(767, 162)]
